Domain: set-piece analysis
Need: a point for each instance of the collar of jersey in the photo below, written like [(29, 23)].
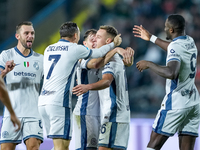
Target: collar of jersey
[(63, 40), (31, 52), (180, 37)]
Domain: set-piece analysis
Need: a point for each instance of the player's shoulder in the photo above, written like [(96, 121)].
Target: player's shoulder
[(8, 50), (37, 55)]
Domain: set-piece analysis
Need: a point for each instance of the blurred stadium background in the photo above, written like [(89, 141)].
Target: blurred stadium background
[(146, 90)]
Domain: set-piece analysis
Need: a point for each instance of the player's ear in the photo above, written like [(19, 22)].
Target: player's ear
[(17, 36), (171, 30), (84, 43), (108, 40)]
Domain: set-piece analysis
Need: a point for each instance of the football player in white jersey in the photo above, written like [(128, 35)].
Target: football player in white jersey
[(179, 110), (113, 95), (60, 62), (23, 85), (87, 109)]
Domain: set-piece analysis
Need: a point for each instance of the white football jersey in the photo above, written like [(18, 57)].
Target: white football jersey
[(23, 82), (60, 61), (88, 103), (114, 100), (182, 92)]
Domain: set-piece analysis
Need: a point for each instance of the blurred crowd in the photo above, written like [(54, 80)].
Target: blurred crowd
[(146, 89)]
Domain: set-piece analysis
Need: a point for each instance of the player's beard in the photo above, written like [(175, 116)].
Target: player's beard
[(168, 36), (26, 45)]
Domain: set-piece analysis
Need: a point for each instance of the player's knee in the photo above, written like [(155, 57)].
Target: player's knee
[(33, 144), (8, 146)]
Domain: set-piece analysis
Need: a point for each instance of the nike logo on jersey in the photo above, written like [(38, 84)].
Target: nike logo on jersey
[(101, 139), (39, 133)]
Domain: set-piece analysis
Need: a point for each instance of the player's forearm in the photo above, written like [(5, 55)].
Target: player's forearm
[(162, 44), (102, 84), (4, 97), (101, 52), (3, 73), (95, 63), (109, 55), (162, 71)]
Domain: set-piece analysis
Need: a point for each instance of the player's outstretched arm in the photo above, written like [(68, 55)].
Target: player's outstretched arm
[(170, 71), (4, 97), (127, 54), (141, 32), (8, 67), (101, 84)]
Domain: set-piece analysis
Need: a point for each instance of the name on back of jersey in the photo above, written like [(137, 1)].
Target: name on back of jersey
[(57, 48), (190, 46)]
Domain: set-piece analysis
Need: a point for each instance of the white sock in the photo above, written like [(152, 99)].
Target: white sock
[(150, 148)]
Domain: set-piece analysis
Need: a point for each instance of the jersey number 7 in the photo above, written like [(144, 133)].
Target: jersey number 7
[(56, 59)]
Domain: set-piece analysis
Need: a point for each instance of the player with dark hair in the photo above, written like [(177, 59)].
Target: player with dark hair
[(60, 62), (23, 69), (179, 110)]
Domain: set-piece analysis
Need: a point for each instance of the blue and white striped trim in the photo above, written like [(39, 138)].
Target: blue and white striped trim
[(66, 96), (168, 102), (83, 132), (188, 133), (89, 54), (180, 37), (33, 136), (173, 59), (86, 64), (108, 72), (63, 40), (59, 137), (30, 54), (2, 67), (11, 141)]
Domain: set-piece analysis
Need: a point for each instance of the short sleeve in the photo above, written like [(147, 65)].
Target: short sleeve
[(173, 53), (109, 68), (83, 52), (84, 64), (3, 59)]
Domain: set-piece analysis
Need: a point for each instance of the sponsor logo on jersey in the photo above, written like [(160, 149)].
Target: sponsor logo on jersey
[(45, 92), (172, 51), (24, 74), (26, 64)]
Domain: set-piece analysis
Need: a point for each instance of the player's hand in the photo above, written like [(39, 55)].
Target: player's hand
[(126, 53), (117, 40), (80, 89), (9, 66), (15, 122), (141, 32), (142, 65), (131, 53)]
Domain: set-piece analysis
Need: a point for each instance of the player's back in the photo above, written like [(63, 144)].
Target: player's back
[(182, 91), (60, 61)]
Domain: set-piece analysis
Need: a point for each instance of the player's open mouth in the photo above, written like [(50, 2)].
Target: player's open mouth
[(29, 43)]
